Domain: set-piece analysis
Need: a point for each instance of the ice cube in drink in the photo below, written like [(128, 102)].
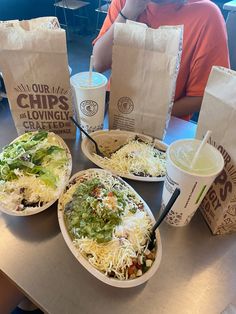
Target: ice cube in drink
[(206, 164)]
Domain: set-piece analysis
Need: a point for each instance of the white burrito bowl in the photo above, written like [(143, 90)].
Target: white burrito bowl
[(35, 210), (85, 263), (111, 140)]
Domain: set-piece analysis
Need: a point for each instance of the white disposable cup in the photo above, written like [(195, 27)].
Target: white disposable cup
[(89, 99), (192, 183)]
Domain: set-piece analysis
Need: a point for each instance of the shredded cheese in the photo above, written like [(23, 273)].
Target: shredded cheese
[(136, 158), (129, 238), (34, 191), (116, 256)]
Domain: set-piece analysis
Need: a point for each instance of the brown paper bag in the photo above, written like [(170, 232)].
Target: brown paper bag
[(218, 113), (33, 59), (145, 65)]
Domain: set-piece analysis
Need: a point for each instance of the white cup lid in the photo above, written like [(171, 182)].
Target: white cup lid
[(81, 80)]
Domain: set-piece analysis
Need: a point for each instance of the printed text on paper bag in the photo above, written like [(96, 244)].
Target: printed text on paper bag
[(44, 107)]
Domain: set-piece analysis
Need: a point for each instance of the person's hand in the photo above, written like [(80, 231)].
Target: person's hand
[(133, 8)]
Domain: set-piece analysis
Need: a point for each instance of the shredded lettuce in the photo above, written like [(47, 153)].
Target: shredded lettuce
[(48, 178), (40, 154), (28, 155)]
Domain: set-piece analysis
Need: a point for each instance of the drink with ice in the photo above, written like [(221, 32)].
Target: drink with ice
[(193, 181), (182, 156)]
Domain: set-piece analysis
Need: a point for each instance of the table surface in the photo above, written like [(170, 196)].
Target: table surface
[(197, 272)]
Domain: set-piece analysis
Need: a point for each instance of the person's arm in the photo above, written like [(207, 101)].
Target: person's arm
[(186, 106), (102, 50), (11, 296)]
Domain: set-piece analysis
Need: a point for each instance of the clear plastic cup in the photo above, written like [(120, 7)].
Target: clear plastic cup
[(89, 99), (193, 182)]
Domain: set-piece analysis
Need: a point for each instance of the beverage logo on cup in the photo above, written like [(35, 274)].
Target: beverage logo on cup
[(125, 105), (89, 107)]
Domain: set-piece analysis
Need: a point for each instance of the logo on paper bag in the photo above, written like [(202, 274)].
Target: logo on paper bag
[(125, 105), (89, 107)]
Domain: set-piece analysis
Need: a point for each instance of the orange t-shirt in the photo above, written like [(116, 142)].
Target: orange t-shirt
[(204, 38)]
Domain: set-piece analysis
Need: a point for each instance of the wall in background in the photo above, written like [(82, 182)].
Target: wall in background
[(25, 9), (28, 9)]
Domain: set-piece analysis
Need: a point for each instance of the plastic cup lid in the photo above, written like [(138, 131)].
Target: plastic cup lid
[(82, 80)]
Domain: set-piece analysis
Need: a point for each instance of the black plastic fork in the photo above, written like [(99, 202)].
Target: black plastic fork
[(98, 152), (168, 207)]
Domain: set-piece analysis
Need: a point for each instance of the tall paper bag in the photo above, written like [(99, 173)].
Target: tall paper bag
[(218, 113), (33, 59), (145, 64)]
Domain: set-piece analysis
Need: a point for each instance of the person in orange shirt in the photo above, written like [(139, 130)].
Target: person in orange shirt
[(204, 42)]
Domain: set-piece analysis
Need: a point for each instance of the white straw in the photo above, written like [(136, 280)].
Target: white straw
[(90, 69), (204, 141)]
